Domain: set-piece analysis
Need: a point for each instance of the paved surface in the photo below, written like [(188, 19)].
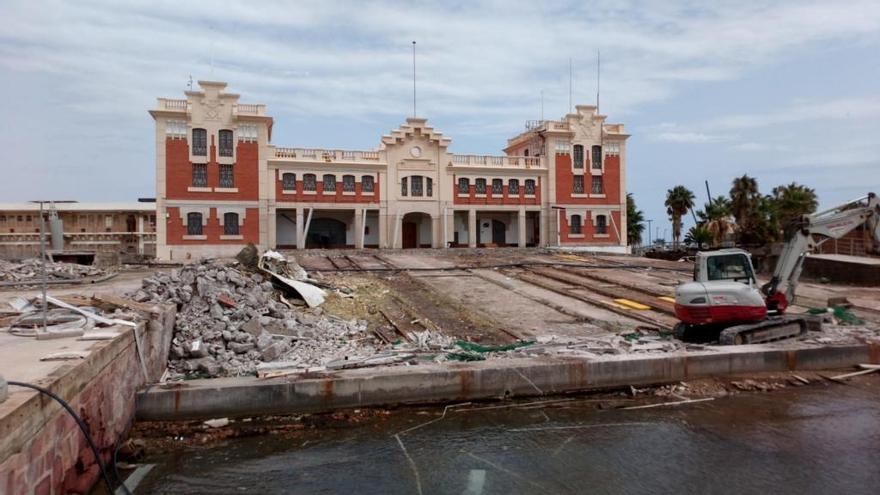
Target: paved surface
[(814, 440)]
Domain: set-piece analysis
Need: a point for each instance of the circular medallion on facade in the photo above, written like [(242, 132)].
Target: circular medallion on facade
[(415, 151)]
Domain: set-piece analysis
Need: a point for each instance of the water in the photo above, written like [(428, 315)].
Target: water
[(804, 441)]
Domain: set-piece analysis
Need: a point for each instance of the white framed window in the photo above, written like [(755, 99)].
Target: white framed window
[(563, 146)]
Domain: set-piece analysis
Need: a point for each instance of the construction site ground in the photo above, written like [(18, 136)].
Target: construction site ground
[(497, 296)]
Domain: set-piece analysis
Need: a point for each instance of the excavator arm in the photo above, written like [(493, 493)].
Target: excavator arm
[(833, 223)]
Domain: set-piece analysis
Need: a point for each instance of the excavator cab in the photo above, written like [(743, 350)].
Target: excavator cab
[(727, 264)]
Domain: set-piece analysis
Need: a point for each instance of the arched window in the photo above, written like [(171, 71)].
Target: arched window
[(464, 185), (348, 183), (578, 156), (597, 157), (416, 183), (598, 187), (480, 187), (225, 142), (574, 224), (230, 223), (193, 223), (578, 184), (367, 183), (404, 189), (497, 187), (329, 183), (200, 142), (288, 181), (310, 182), (530, 187), (601, 224), (429, 187)]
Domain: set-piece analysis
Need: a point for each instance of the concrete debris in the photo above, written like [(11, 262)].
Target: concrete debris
[(31, 270), (231, 320), (217, 423)]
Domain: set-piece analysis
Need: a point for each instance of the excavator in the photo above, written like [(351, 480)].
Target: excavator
[(724, 294)]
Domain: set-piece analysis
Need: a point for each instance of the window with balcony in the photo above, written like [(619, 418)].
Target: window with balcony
[(230, 223), (530, 187), (429, 187), (288, 181), (404, 189), (480, 187), (497, 187), (578, 156), (193, 223), (464, 185), (329, 183), (601, 224), (416, 183), (348, 183), (200, 175), (513, 187), (310, 182), (227, 177), (574, 225), (597, 157), (578, 185), (367, 184), (225, 142), (199, 142), (598, 186)]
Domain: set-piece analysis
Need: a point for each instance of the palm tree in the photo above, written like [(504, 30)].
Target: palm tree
[(634, 220), (699, 235), (716, 218), (679, 200), (792, 202), (744, 198)]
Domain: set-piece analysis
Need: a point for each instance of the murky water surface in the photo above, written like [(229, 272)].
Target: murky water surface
[(805, 441)]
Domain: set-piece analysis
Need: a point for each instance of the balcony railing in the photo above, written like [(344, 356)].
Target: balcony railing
[(497, 161), (169, 104), (327, 155), (249, 109)]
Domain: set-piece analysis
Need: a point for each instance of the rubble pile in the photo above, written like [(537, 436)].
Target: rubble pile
[(230, 320), (31, 270)]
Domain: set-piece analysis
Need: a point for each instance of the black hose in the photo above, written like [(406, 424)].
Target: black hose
[(82, 426)]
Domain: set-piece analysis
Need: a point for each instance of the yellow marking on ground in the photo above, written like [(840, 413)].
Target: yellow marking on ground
[(615, 305), (667, 299), (632, 304)]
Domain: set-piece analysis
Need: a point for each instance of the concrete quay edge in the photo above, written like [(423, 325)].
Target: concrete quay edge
[(485, 380)]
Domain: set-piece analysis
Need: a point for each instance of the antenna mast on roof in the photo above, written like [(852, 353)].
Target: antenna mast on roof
[(569, 85), (414, 79), (190, 83), (598, 76), (542, 105)]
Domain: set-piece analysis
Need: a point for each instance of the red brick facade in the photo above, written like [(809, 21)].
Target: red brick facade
[(179, 173), (492, 199), (249, 230), (318, 195)]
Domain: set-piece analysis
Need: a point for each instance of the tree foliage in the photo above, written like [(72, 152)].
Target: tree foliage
[(634, 222), (679, 200)]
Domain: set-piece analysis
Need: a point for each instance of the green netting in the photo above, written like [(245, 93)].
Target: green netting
[(472, 347), (841, 314)]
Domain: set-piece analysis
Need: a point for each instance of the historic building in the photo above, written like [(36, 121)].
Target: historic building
[(220, 184)]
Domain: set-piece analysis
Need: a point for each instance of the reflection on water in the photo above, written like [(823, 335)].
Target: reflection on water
[(824, 440)]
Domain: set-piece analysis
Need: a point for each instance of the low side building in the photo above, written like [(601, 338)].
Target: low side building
[(220, 184), (79, 231)]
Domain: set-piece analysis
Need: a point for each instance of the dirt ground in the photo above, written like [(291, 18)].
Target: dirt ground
[(505, 295)]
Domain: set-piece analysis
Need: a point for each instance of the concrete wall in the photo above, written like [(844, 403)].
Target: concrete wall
[(42, 451)]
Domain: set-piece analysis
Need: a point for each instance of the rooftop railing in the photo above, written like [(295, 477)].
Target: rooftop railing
[(497, 161), (170, 104), (327, 155)]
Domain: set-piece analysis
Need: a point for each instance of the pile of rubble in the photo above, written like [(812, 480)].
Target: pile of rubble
[(230, 320), (31, 270)]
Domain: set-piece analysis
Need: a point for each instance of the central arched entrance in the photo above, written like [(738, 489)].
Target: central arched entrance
[(326, 233), (416, 230)]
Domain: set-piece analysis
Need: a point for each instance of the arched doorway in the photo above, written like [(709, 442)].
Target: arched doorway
[(326, 233), (416, 230)]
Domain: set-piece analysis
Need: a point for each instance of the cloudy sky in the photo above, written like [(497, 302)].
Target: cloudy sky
[(782, 90)]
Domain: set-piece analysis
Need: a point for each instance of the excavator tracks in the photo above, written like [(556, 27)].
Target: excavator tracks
[(774, 328)]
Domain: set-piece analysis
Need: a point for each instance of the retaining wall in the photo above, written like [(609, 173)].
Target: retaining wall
[(204, 399), (42, 450)]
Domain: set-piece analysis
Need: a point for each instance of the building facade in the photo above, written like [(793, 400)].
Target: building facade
[(221, 184), (110, 232)]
